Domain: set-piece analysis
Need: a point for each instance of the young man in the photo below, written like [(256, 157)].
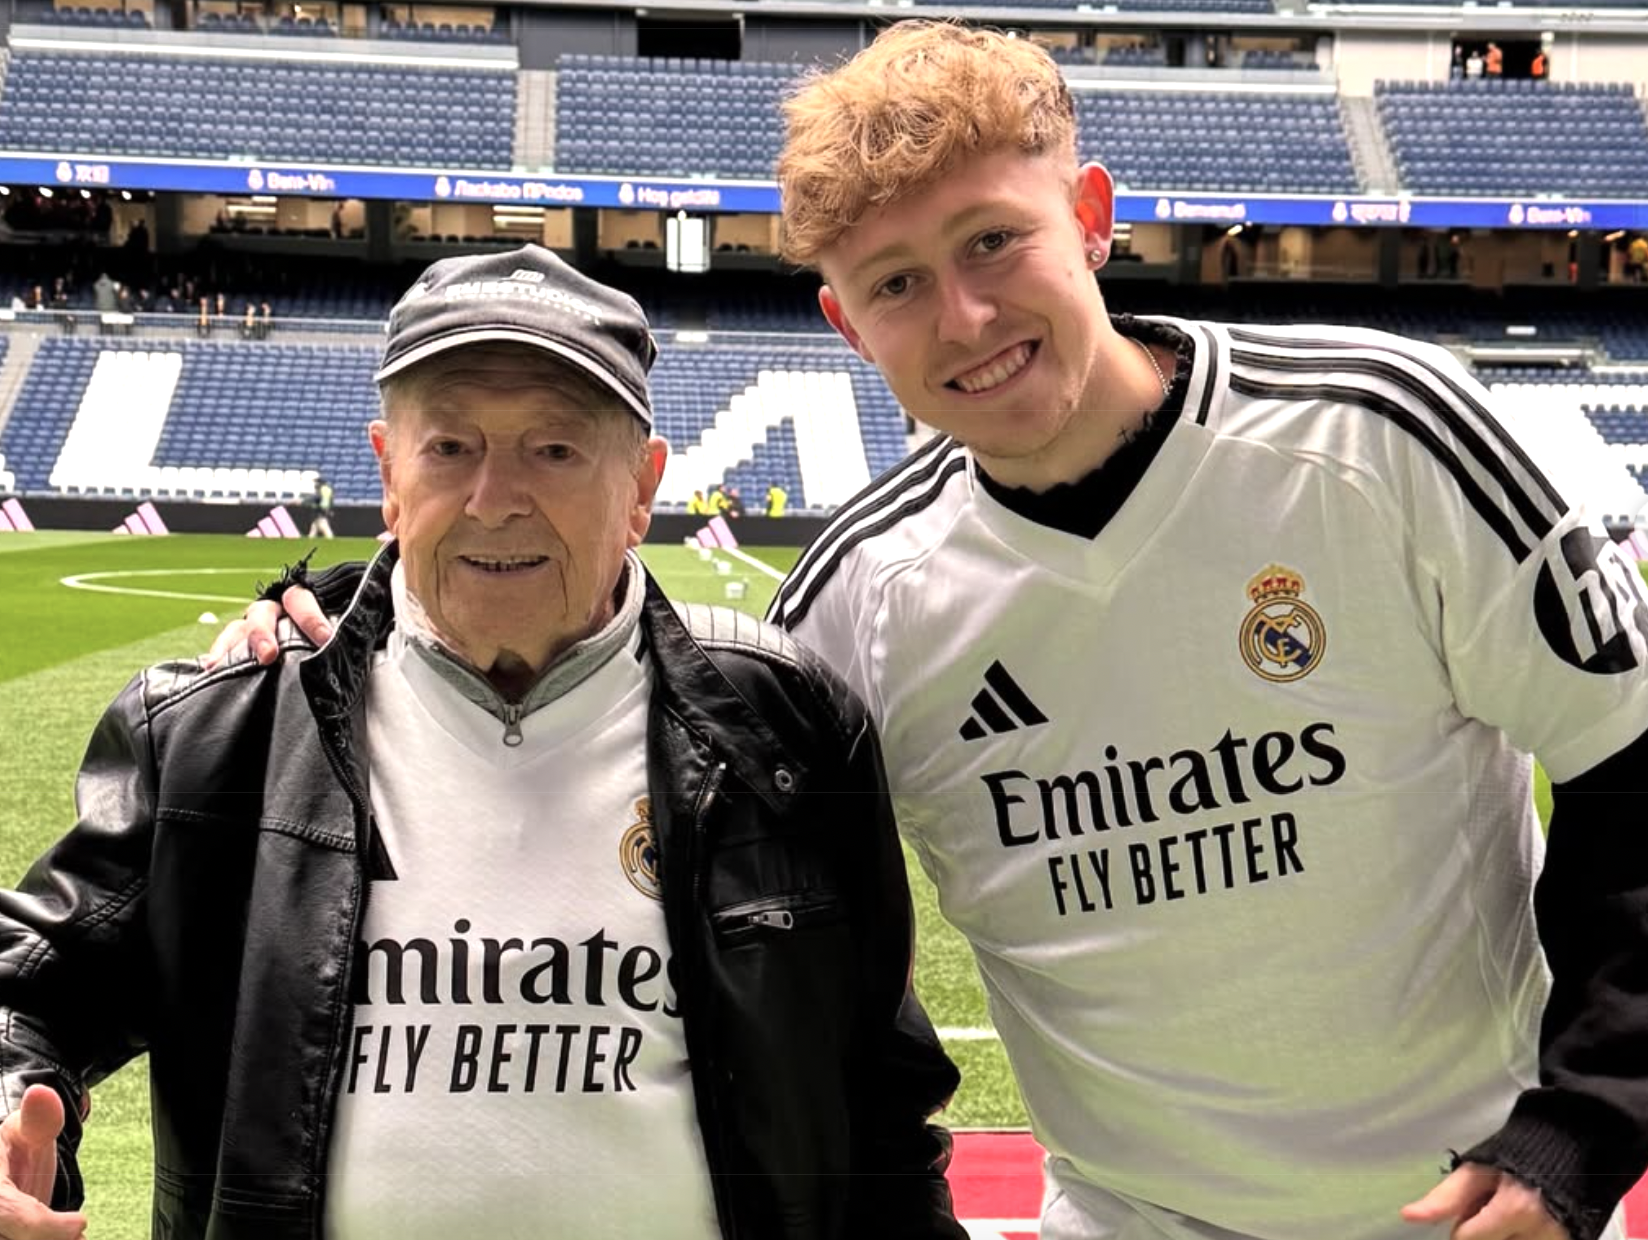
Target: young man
[(1207, 662), (529, 906)]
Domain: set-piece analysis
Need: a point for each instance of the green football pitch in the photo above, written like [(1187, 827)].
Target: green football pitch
[(80, 613)]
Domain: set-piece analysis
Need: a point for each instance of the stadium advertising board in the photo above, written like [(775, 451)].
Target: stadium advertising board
[(701, 197), (1379, 212), (102, 172)]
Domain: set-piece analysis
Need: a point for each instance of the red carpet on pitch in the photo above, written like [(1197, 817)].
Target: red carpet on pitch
[(996, 1180)]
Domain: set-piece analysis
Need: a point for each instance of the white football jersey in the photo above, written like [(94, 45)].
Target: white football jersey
[(1232, 800), (517, 1065)]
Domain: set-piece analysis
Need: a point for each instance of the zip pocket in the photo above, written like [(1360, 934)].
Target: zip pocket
[(774, 917)]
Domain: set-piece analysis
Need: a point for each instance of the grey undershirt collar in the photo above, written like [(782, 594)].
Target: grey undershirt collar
[(570, 669)]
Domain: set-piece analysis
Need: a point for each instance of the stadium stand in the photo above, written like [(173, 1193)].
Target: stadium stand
[(1142, 57), (1447, 312), (1218, 140), (431, 32), (817, 420), (320, 398), (672, 116), (312, 27), (685, 117), (1592, 436), (45, 410), (229, 23), (1127, 6), (1443, 7), (1620, 424), (1263, 58), (1072, 55), (1565, 382), (271, 109), (297, 286), (100, 18), (1516, 137), (210, 420), (173, 420), (776, 459), (1154, 56), (1624, 341)]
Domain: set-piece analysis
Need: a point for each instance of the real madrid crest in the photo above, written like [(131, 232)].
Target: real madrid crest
[(1282, 638), (638, 853)]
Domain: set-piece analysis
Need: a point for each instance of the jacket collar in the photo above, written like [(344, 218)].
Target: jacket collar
[(687, 682), (691, 686), (335, 675)]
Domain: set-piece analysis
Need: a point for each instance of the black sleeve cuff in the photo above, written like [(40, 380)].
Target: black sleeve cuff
[(332, 587), (290, 575), (1571, 1152)]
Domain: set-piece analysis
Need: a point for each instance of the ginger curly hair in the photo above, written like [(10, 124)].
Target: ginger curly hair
[(903, 112)]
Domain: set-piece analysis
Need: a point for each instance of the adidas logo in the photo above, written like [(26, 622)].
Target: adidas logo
[(995, 706), (146, 520), (278, 524), (13, 519)]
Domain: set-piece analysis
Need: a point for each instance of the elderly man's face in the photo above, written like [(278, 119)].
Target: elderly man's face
[(514, 502)]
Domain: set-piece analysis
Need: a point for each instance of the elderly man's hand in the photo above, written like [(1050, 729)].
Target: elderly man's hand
[(256, 628), (1485, 1204), (28, 1143)]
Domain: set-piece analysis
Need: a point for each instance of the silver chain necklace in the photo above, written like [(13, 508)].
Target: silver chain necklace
[(1154, 365)]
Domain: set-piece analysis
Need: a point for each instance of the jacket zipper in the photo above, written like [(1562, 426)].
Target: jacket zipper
[(700, 824), (513, 712), (775, 914)]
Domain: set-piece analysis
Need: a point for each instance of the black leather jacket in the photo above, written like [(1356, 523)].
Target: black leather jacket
[(207, 906)]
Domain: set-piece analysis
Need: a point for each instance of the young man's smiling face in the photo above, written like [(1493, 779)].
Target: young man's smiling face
[(975, 298)]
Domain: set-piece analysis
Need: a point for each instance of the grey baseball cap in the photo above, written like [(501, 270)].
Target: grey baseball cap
[(526, 296)]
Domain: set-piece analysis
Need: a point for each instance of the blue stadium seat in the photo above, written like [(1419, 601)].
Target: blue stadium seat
[(1218, 141), (462, 117), (1485, 137)]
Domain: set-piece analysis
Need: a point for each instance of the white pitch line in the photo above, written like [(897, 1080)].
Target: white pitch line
[(995, 1228), (985, 1034), (753, 562), (172, 594), (89, 581), (158, 572)]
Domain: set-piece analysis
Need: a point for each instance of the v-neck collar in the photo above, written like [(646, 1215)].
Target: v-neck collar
[(1097, 523)]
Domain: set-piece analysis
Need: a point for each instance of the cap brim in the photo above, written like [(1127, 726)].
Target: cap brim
[(431, 348)]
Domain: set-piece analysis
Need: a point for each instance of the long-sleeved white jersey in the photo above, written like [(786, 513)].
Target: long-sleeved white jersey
[(1233, 800)]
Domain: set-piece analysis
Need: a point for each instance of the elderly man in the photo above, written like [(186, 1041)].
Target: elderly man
[(516, 910)]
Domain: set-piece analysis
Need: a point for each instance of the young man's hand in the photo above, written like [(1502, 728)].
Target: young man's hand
[(1485, 1204), (28, 1144), (256, 629)]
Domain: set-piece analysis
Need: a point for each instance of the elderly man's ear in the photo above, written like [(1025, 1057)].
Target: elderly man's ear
[(377, 431), (647, 478)]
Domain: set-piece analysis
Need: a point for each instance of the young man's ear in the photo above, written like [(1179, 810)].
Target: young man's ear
[(378, 432), (837, 318), (1096, 211)]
